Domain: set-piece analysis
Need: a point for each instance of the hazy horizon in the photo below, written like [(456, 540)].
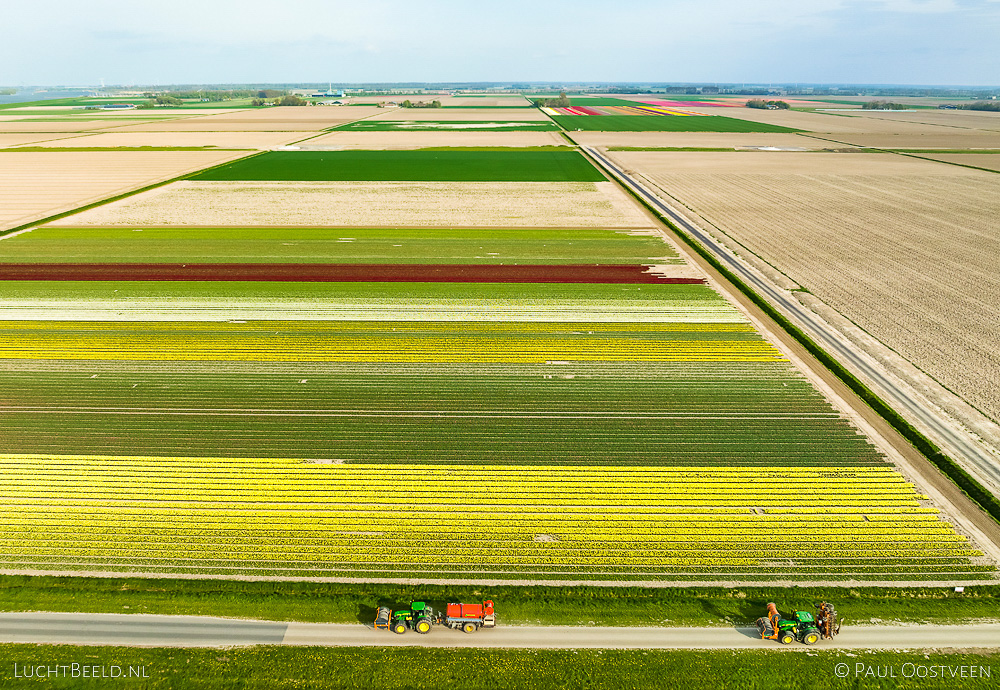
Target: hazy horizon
[(838, 42)]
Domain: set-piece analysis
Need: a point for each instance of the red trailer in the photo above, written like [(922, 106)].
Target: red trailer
[(469, 617)]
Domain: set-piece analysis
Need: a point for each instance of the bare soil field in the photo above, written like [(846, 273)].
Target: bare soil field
[(779, 163), (237, 140), (498, 115), (35, 185), (62, 126), (499, 101), (373, 204), (963, 119), (709, 140), (989, 161), (414, 140), (940, 138), (7, 140), (826, 123), (289, 119), (909, 255)]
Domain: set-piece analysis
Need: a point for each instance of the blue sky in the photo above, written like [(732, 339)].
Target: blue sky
[(759, 41)]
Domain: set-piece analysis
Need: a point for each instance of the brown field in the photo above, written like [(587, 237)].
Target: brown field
[(938, 139), (989, 161), (508, 101), (23, 139), (499, 115), (244, 140), (826, 123), (372, 204), (711, 140), (963, 119), (288, 119), (651, 163), (413, 140), (36, 185), (906, 248), (60, 126)]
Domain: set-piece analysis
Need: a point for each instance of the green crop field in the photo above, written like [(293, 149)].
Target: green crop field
[(331, 245), (444, 126), (468, 166), (664, 123)]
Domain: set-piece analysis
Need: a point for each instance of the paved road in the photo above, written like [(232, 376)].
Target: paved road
[(140, 630), (968, 450)]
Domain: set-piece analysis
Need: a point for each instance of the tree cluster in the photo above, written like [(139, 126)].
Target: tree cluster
[(761, 104), (420, 104), (884, 105), (993, 106), (561, 102)]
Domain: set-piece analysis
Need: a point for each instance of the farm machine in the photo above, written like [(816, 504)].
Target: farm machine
[(422, 617), (802, 626)]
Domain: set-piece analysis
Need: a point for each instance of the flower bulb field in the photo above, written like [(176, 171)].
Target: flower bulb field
[(469, 363)]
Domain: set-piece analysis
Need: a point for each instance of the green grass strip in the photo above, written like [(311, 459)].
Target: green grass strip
[(444, 166), (444, 126), (534, 605), (349, 668)]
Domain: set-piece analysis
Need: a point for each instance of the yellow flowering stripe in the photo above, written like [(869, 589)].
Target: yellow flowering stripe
[(287, 516), (384, 341)]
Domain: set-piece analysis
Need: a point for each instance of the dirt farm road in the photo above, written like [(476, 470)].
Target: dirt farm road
[(142, 630)]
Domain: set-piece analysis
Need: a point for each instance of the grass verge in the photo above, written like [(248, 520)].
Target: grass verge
[(473, 669), (525, 605)]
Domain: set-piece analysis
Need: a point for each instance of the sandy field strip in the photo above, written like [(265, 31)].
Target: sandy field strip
[(906, 249), (711, 140), (989, 161), (288, 119), (774, 163), (373, 204), (65, 126), (499, 101), (940, 138), (39, 184), (7, 140), (963, 119), (827, 123), (239, 140), (498, 115), (414, 140)]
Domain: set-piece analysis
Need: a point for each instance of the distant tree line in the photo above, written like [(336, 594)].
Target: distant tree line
[(884, 105), (7, 92), (420, 104), (561, 102), (993, 106), (287, 99), (761, 104)]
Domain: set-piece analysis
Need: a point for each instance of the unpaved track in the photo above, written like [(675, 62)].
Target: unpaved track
[(142, 630), (984, 530)]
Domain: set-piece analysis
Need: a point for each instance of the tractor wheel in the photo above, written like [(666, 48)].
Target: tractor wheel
[(423, 627), (786, 638), (399, 628), (469, 627), (811, 638)]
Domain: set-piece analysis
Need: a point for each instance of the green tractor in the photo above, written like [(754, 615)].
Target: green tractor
[(419, 617), (801, 626)]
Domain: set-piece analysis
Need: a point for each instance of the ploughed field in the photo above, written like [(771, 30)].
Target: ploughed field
[(476, 402)]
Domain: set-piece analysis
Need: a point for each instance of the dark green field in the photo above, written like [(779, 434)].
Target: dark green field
[(354, 668), (444, 166), (663, 123), (444, 126), (332, 245)]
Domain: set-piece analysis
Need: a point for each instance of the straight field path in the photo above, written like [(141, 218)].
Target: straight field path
[(142, 630)]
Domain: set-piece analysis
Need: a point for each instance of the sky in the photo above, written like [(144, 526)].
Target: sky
[(69, 42)]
